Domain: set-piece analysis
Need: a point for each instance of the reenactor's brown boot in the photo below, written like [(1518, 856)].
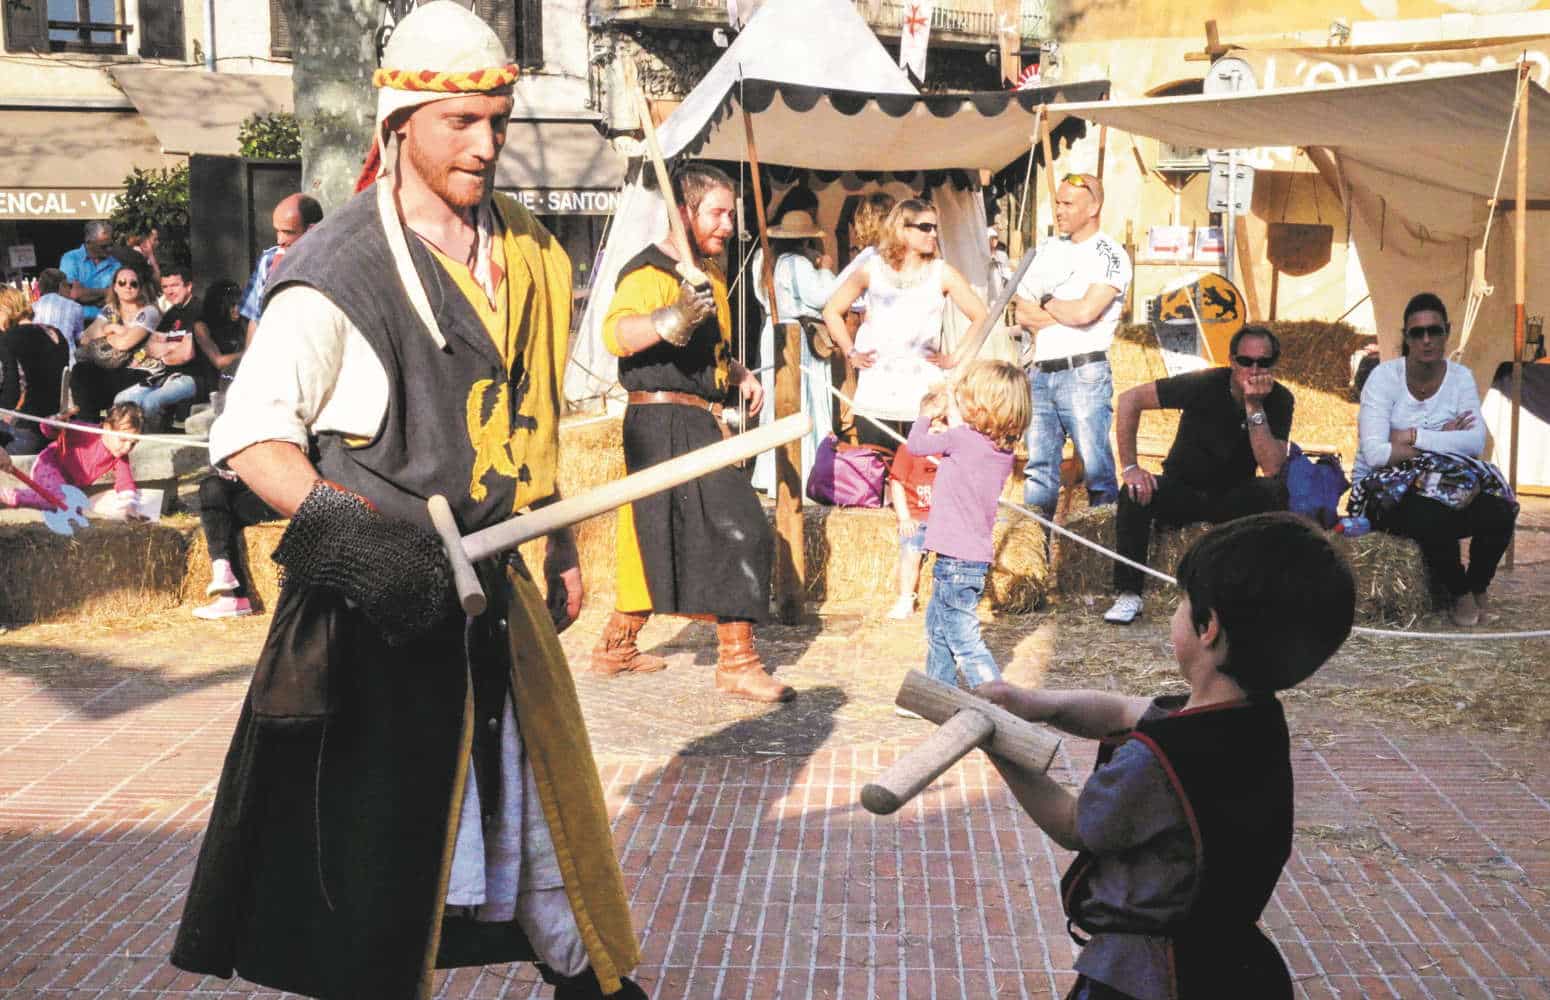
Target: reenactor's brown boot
[(739, 671), (616, 652)]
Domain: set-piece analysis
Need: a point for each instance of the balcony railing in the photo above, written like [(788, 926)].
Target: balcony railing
[(963, 21)]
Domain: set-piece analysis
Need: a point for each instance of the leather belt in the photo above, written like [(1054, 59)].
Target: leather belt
[(680, 398), (683, 399), (1075, 361)]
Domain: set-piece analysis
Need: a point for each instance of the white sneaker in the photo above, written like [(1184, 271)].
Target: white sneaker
[(222, 579), (903, 607), (905, 713), (224, 607), (1125, 610)]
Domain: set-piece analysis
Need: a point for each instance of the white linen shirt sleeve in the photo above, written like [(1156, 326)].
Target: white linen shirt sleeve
[(1374, 419), (1461, 397), (309, 371)]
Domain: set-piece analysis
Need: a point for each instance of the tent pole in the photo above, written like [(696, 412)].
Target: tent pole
[(1049, 167), (1520, 266), (790, 562), (1028, 211)]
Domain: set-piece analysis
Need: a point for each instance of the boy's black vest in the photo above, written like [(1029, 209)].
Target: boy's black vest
[(1231, 768), (423, 446)]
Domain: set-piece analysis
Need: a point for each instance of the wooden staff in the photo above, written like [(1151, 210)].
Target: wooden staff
[(1049, 166), (1520, 261), (465, 551), (790, 581)]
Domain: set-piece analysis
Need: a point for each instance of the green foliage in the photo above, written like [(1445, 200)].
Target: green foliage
[(156, 199), (270, 137)]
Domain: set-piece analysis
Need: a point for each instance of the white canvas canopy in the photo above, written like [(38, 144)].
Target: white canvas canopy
[(1416, 160), (832, 100)]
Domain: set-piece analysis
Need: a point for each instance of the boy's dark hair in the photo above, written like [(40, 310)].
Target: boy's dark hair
[(1424, 302), (1285, 597), (1254, 330), (179, 270)]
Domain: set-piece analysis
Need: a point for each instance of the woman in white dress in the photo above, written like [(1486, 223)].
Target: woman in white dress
[(898, 348), (804, 279)]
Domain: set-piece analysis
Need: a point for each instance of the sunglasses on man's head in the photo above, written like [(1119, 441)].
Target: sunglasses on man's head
[(1075, 180), (925, 227), (1244, 361), (1433, 330)]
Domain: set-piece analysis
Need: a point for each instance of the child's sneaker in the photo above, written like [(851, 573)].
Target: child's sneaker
[(1127, 607), (903, 607), (222, 579), (224, 607)]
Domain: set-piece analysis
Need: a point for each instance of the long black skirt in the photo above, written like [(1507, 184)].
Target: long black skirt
[(706, 545)]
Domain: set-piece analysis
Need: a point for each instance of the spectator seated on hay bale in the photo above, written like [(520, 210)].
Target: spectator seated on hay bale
[(1419, 473), (79, 458), (1233, 422)]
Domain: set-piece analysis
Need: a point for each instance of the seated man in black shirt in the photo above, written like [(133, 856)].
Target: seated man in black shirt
[(1233, 421)]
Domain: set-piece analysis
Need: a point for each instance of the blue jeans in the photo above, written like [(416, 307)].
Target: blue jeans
[(1077, 403), (157, 400), (953, 639)]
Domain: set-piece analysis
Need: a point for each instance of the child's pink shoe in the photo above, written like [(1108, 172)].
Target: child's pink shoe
[(224, 607)]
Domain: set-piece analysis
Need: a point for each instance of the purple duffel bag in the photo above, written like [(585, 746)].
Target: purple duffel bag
[(848, 475)]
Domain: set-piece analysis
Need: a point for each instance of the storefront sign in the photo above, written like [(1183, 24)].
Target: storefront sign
[(1330, 66), (57, 203), (568, 201)]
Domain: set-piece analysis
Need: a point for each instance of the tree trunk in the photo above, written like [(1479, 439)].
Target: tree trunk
[(336, 105)]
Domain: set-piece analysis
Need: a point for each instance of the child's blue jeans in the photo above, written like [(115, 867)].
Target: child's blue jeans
[(953, 639)]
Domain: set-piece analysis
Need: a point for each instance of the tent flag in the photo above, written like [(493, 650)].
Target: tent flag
[(914, 35)]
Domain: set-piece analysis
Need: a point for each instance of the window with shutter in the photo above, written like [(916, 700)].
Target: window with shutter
[(26, 25), (280, 29), (161, 29), (502, 16), (531, 32)]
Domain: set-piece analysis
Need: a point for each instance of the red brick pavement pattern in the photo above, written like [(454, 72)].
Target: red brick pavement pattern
[(1418, 868)]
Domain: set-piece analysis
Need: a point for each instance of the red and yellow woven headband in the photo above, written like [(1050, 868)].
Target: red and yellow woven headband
[(472, 82)]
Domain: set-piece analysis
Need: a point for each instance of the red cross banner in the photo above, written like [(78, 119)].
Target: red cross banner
[(914, 33)]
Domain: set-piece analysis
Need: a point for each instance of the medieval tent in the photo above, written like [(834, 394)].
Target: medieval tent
[(1419, 162), (846, 117)]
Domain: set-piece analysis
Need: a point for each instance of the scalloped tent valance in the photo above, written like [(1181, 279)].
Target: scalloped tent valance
[(868, 134)]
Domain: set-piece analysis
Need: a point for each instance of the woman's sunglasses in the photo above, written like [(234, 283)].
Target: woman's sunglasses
[(127, 284), (1244, 361), (1434, 330), (925, 227)]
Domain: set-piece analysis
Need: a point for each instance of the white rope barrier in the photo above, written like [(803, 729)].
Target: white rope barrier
[(1165, 578), (94, 429)]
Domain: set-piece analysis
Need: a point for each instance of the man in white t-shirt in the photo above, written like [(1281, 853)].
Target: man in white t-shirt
[(1071, 298)]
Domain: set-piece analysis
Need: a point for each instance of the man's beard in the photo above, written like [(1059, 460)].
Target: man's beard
[(438, 176)]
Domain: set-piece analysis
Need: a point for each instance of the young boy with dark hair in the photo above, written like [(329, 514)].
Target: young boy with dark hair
[(1186, 821)]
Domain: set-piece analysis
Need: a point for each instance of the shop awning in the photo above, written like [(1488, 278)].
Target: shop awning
[(560, 168), (60, 164), (196, 111)]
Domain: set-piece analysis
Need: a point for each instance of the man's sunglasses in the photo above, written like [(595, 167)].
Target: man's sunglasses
[(925, 227), (1434, 330), (1244, 361)]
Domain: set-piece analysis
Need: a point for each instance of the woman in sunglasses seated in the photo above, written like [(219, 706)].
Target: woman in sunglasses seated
[(898, 350), (1418, 469), (1233, 422)]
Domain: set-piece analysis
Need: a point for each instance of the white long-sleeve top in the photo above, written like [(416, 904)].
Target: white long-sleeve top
[(1387, 404)]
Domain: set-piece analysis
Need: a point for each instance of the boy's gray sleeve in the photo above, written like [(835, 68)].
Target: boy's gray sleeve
[(1127, 802)]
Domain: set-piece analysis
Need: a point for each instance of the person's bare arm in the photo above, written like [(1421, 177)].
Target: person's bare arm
[(1085, 310), (171, 351), (1269, 451), (88, 296), (834, 312), (972, 306), (1029, 315), (1127, 424), (1093, 714), (208, 348), (278, 471), (1045, 801), (252, 329)]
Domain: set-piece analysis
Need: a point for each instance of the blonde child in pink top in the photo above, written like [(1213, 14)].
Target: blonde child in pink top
[(80, 458)]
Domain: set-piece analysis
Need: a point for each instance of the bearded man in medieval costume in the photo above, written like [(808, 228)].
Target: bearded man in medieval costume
[(409, 789)]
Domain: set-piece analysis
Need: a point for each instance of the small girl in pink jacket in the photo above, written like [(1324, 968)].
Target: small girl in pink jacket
[(80, 458)]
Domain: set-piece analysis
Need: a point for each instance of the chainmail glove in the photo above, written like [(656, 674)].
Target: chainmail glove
[(675, 323), (396, 573)]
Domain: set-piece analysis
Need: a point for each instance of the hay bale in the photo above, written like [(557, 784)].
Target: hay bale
[(852, 557), (1391, 584), (110, 569)]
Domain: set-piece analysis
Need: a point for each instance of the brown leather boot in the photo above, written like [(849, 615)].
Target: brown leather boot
[(616, 652), (739, 671)]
